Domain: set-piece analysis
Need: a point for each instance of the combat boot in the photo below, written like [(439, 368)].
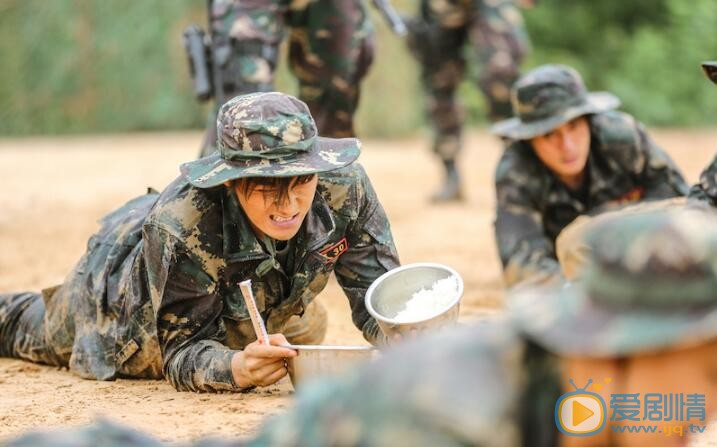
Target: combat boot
[(451, 191)]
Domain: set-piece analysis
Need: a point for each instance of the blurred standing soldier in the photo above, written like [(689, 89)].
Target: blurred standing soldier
[(570, 154), (638, 329), (330, 51), (438, 38), (157, 294)]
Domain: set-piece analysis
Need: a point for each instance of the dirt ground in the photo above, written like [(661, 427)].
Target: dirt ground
[(54, 190)]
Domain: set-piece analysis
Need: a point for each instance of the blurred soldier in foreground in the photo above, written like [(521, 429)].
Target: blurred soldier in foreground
[(438, 38), (330, 51), (641, 325), (157, 293), (571, 154)]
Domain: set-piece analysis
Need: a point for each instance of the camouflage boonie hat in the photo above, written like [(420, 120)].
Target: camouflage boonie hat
[(651, 285), (710, 69), (547, 97), (268, 135)]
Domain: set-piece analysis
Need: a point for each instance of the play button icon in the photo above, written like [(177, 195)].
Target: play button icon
[(580, 414)]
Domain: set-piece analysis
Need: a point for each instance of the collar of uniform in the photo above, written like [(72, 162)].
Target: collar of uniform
[(559, 193), (241, 244), (602, 174), (318, 225)]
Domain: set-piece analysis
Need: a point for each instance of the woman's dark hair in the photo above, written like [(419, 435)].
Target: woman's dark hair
[(277, 187)]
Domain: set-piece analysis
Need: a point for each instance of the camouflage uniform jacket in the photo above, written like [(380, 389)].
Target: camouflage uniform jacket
[(533, 206), (172, 275), (706, 189)]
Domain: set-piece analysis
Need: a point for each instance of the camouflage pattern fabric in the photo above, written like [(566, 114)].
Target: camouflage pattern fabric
[(212, 253), (22, 330), (471, 386), (309, 328), (571, 245), (649, 286), (268, 135), (548, 96), (330, 51), (156, 292), (90, 322), (533, 206), (705, 190), (462, 387), (438, 38), (495, 383)]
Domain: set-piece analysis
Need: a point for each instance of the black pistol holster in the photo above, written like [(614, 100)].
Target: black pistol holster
[(198, 52)]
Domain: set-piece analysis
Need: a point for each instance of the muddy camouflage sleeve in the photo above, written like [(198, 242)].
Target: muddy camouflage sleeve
[(371, 253), (187, 310), (525, 250)]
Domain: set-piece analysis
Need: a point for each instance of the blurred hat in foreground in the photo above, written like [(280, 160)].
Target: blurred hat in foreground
[(651, 285)]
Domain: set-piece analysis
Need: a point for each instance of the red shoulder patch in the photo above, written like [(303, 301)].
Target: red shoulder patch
[(335, 250)]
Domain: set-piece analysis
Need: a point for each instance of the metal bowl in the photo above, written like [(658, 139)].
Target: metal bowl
[(321, 360), (388, 295)]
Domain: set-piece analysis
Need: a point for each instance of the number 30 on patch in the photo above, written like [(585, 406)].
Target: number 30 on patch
[(335, 250)]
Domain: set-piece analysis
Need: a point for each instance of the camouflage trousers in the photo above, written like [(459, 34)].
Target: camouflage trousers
[(330, 48), (440, 39), (41, 328), (24, 332), (45, 328)]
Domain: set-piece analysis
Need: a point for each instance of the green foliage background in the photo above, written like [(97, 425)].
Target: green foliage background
[(74, 66)]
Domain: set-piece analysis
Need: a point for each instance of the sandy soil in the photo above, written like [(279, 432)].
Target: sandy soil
[(54, 190)]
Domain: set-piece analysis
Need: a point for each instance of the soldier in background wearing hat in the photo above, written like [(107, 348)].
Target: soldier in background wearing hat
[(571, 154), (573, 251), (156, 293), (641, 323)]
